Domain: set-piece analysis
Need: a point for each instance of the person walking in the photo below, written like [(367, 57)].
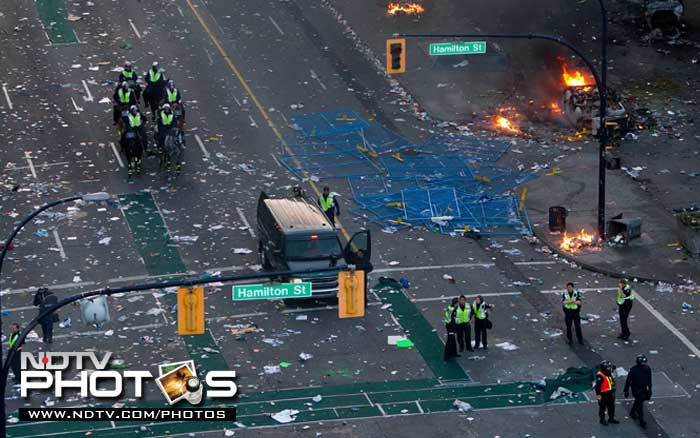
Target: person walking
[(449, 320), (639, 379), (15, 363), (329, 205), (45, 299), (625, 299), (571, 302), (481, 321), (605, 393), (463, 315)]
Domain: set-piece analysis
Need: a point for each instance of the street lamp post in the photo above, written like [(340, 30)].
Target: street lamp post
[(99, 196)]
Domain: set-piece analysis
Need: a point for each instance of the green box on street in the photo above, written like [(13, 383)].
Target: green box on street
[(271, 291), (467, 48)]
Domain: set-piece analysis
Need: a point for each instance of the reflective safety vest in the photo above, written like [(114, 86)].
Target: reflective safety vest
[(128, 74), (153, 76), (326, 203), (463, 314), (448, 314), (12, 339), (480, 310), (124, 97), (621, 295), (166, 118), (573, 297), (607, 384), (172, 95), (135, 120)]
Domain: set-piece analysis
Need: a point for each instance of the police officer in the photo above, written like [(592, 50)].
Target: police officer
[(165, 124), (12, 340), (571, 302), (463, 315), (155, 82), (450, 326), (481, 321), (329, 205), (171, 94), (45, 299), (605, 393), (123, 98), (625, 299), (639, 379), (130, 76)]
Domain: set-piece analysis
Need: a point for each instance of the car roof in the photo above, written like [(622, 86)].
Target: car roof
[(297, 215)]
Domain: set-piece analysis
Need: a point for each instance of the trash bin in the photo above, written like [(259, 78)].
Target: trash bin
[(557, 219), (628, 228)]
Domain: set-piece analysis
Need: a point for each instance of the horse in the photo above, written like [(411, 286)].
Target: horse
[(173, 148), (132, 146)]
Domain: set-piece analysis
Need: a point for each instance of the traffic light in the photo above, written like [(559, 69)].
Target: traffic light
[(190, 311), (351, 294), (396, 56)]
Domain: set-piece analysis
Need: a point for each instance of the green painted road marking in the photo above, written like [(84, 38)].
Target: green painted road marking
[(53, 15), (421, 333), (161, 257)]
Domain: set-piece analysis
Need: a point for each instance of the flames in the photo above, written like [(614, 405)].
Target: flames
[(554, 107), (575, 242), (575, 79), (405, 8), (506, 125)]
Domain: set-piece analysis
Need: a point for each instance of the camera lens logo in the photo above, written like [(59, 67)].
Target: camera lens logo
[(179, 381)]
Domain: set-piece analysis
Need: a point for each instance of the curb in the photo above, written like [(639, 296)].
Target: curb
[(593, 268)]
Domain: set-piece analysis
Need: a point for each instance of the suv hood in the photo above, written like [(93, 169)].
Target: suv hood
[(305, 265)]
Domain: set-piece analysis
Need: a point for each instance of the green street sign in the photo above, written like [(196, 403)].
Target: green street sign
[(271, 291), (468, 48)]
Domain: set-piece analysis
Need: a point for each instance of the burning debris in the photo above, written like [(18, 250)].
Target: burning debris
[(405, 8), (504, 120), (664, 18), (576, 242)]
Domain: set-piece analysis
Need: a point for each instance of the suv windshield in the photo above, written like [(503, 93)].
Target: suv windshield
[(308, 249)]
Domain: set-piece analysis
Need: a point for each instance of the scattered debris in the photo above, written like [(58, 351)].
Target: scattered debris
[(285, 416), (462, 406), (560, 392)]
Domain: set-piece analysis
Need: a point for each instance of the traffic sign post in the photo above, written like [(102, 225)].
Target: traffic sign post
[(190, 311), (465, 48), (271, 291)]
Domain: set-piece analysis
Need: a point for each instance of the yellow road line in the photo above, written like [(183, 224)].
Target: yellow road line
[(255, 100)]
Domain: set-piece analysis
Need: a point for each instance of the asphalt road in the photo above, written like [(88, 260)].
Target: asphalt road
[(244, 70)]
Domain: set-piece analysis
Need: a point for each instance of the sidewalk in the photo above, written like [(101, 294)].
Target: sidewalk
[(654, 256)]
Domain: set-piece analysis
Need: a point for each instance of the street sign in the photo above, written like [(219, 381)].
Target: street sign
[(271, 291), (466, 48)]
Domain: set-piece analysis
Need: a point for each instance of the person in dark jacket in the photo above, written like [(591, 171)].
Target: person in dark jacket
[(15, 363), (639, 379), (45, 299), (451, 327), (605, 393)]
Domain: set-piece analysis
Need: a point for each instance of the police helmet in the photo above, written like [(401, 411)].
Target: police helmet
[(133, 109), (155, 64), (125, 84), (127, 64), (606, 365), (171, 83), (166, 106), (641, 359)]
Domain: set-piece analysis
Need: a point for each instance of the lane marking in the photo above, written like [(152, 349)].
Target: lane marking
[(201, 146), (420, 408), (47, 164), (89, 97), (75, 105), (59, 244), (7, 97), (444, 298), (535, 263), (133, 26), (160, 306), (581, 289), (236, 100), (116, 154), (180, 11), (255, 100), (28, 156), (315, 76), (668, 325), (274, 23), (274, 158), (252, 121), (245, 222), (381, 409)]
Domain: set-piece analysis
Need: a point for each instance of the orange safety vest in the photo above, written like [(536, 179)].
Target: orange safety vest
[(607, 384)]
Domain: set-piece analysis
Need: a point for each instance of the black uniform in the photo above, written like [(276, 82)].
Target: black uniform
[(450, 327), (606, 399), (481, 323), (46, 299), (626, 296), (119, 104), (572, 316), (333, 209), (131, 77), (639, 379)]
